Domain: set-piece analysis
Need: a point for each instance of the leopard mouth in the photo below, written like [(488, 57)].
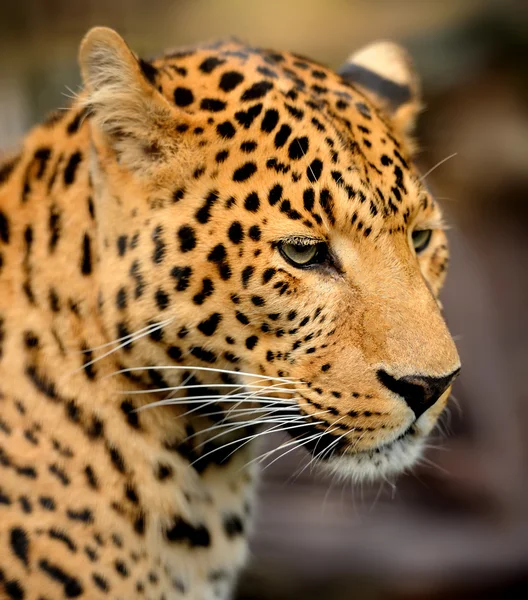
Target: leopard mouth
[(335, 454)]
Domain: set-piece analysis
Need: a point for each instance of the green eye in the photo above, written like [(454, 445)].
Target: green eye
[(304, 255), (421, 239)]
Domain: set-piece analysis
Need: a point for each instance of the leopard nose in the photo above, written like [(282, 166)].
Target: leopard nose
[(418, 391)]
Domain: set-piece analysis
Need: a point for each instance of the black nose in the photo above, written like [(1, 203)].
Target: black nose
[(418, 391)]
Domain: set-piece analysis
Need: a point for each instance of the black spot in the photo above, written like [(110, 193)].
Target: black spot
[(212, 105), (159, 245), (257, 90), (203, 354), (203, 214), (84, 515), (230, 80), (129, 410), (245, 171), (218, 256), (308, 199), (225, 130), (235, 232), (41, 158), (187, 238), (13, 589), (254, 233), (182, 275), (209, 325), (252, 202), (47, 503), (247, 273), (298, 148), (242, 318), (59, 473), (121, 245), (221, 156), (314, 170), (251, 342), (174, 353), (86, 261), (91, 477), (131, 493), (19, 542), (275, 195), (233, 525), (117, 459), (96, 428), (327, 203), (4, 228), (72, 587), (71, 168), (246, 118), (209, 64), (270, 120), (248, 147), (121, 298), (268, 274), (163, 472), (183, 532), (25, 504), (57, 534), (30, 339), (296, 113), (149, 71), (178, 194), (183, 96), (206, 291), (282, 135), (121, 568), (100, 582)]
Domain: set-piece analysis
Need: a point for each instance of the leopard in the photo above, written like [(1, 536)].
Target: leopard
[(204, 248)]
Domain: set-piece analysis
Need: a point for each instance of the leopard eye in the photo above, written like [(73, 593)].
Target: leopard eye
[(303, 255), (421, 239)]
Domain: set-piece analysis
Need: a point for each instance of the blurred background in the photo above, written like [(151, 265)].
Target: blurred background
[(457, 527)]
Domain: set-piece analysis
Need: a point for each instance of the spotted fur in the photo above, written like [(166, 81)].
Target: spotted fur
[(154, 211)]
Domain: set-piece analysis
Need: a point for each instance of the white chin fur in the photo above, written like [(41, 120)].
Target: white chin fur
[(374, 464)]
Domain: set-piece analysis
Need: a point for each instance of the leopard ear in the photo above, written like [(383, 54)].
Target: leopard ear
[(121, 99), (385, 73)]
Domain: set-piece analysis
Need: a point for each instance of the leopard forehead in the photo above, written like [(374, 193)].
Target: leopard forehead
[(279, 129)]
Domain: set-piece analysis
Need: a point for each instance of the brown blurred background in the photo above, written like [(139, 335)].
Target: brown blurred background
[(457, 527)]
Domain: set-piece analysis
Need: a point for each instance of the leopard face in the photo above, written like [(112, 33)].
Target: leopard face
[(267, 211)]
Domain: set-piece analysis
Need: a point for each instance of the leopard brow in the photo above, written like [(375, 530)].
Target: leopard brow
[(302, 241)]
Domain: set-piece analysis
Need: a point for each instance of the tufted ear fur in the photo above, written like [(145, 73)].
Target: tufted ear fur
[(385, 72), (123, 103)]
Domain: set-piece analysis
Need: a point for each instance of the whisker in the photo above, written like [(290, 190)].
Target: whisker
[(422, 178), (196, 368), (240, 426), (253, 437), (190, 387), (303, 443), (95, 360), (150, 328), (262, 457), (199, 400)]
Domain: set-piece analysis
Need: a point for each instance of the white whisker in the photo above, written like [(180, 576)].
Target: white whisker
[(150, 328), (122, 345), (208, 369), (422, 178), (199, 400), (253, 437)]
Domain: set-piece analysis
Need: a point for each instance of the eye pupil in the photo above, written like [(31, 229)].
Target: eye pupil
[(303, 255), (421, 239)]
